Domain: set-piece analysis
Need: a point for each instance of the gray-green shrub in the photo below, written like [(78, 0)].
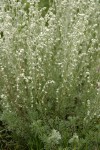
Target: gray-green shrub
[(49, 70)]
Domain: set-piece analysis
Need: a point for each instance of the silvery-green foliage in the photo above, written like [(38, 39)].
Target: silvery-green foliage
[(53, 140), (54, 137), (49, 66), (74, 139)]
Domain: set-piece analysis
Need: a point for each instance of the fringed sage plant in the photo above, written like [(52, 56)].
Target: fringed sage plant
[(49, 71)]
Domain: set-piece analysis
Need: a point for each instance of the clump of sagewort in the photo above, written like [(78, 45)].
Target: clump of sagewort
[(48, 65)]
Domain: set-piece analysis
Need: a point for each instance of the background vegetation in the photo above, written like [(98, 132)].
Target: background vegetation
[(50, 75)]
